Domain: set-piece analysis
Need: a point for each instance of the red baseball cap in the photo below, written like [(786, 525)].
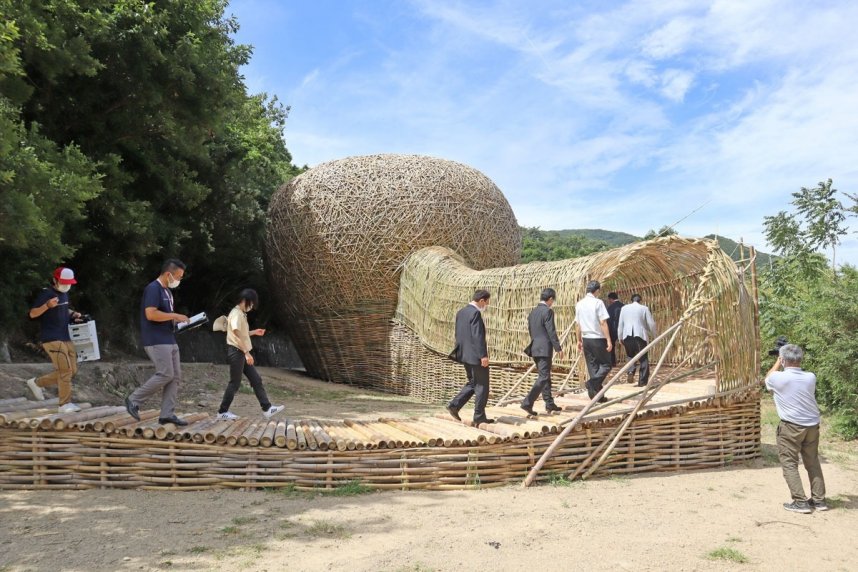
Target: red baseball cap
[(64, 275)]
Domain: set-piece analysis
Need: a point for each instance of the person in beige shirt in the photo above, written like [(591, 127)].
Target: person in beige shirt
[(240, 359)]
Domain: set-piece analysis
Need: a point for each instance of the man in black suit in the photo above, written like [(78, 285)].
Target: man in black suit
[(543, 344), (614, 308), (472, 351)]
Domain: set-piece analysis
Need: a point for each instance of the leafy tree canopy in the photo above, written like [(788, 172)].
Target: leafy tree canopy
[(128, 136)]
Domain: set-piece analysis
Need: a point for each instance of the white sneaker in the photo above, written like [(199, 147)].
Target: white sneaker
[(69, 408), (35, 389), (273, 410), (227, 416)]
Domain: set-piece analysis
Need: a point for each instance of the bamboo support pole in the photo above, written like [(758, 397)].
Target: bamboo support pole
[(630, 417), (571, 426), (24, 405), (532, 367)]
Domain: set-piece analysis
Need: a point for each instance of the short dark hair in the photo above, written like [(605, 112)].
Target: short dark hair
[(481, 295), (613, 296), (548, 294), (172, 264), (636, 298), (593, 286), (249, 295)]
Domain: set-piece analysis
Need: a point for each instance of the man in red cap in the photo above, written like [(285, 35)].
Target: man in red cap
[(51, 308)]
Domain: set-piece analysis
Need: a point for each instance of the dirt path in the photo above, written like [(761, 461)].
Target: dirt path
[(654, 522)]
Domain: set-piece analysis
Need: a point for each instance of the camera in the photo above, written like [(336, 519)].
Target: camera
[(781, 342)]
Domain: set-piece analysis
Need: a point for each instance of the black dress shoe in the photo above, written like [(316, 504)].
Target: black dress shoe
[(485, 420), (454, 412), (174, 420), (132, 409), (550, 408), (529, 410)]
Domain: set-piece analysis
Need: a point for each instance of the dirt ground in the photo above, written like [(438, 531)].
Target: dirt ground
[(710, 520)]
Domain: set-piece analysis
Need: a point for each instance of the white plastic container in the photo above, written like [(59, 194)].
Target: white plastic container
[(85, 340)]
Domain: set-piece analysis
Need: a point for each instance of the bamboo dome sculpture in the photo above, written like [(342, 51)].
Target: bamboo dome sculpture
[(339, 233)]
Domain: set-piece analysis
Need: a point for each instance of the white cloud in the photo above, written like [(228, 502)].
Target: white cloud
[(669, 40), (675, 84)]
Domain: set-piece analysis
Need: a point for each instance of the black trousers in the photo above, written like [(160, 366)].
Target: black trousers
[(478, 384), (598, 360), (633, 345), (237, 366), (542, 384)]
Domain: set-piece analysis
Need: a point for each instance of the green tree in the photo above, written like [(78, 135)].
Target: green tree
[(543, 245), (666, 230), (813, 304), (818, 223), (182, 159), (44, 190)]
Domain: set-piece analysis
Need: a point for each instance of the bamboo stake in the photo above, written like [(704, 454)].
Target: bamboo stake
[(571, 426), (631, 415), (532, 367)]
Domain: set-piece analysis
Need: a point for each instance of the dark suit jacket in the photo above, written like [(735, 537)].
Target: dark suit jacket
[(543, 334), (470, 337), (614, 313)]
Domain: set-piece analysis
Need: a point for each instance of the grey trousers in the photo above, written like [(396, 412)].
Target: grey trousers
[(794, 441), (168, 374)]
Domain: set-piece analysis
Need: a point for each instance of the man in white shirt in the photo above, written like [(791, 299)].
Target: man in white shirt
[(594, 338), (635, 329), (794, 392)]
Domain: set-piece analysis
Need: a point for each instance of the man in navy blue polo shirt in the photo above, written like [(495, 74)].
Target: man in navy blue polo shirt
[(157, 321), (51, 308)]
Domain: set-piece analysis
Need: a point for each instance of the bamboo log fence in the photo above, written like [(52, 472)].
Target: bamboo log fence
[(388, 453)]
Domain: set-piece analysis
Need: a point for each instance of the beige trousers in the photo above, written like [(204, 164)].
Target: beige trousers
[(64, 359)]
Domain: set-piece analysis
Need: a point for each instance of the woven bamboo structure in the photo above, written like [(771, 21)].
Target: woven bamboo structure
[(103, 447), (339, 233)]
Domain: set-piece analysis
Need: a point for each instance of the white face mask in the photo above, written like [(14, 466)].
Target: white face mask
[(63, 288), (172, 282)]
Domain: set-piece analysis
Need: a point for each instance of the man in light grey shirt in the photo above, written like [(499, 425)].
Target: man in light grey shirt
[(794, 392), (634, 330)]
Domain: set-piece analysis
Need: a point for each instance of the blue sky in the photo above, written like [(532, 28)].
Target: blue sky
[(623, 116)]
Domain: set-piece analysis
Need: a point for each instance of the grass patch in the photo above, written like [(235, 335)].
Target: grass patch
[(729, 554), (230, 530), (769, 416), (198, 549), (245, 389), (560, 480), (241, 520), (835, 502), (287, 524), (328, 529), (770, 456), (348, 489)]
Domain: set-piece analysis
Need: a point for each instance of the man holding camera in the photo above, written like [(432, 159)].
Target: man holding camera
[(794, 392)]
